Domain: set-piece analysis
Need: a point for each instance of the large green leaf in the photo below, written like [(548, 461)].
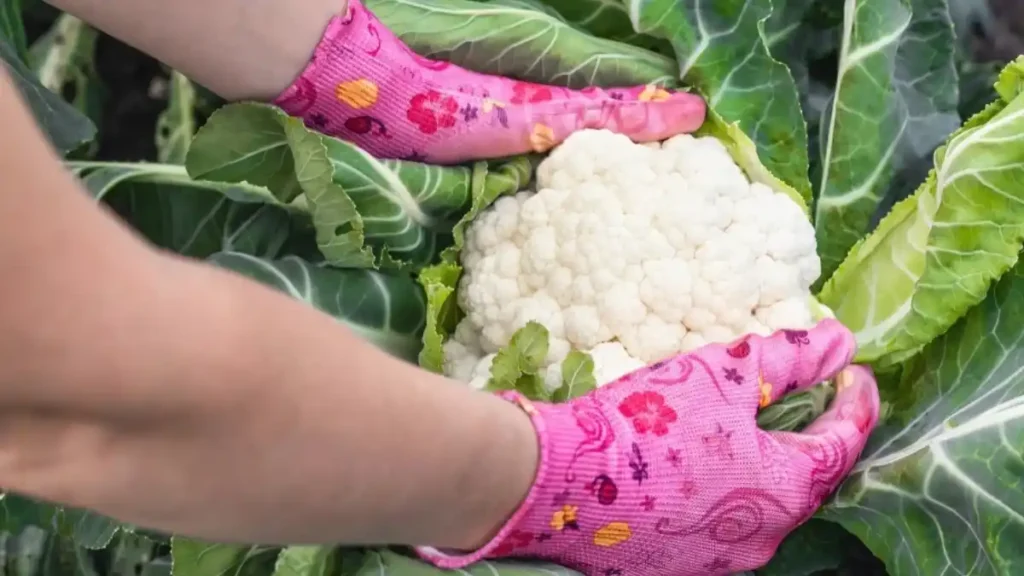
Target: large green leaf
[(367, 212), (812, 548), (938, 490), (722, 52), (936, 253), (895, 100), (66, 128), (387, 310), (389, 563), (12, 29), (605, 19), (196, 218), (512, 40)]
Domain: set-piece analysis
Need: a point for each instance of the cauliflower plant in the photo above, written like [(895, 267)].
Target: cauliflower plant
[(632, 253)]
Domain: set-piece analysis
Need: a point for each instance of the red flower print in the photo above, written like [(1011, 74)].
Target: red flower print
[(739, 350), (517, 539), (648, 412), (431, 110), (529, 93)]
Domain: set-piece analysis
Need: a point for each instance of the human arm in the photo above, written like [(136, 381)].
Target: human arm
[(181, 397), (240, 49)]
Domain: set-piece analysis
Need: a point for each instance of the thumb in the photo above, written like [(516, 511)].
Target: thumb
[(830, 446)]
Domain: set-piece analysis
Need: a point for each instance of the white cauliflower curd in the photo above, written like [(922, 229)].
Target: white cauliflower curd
[(632, 253)]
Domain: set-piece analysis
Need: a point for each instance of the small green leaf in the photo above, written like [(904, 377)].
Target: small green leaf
[(305, 561), (134, 555), (196, 558), (88, 529), (176, 126), (515, 364), (577, 376), (391, 563), (795, 411), (63, 62)]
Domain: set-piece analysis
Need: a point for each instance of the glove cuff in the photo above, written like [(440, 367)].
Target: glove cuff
[(544, 526)]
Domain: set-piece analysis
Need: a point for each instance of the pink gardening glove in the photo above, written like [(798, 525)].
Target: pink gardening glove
[(665, 472), (365, 86)]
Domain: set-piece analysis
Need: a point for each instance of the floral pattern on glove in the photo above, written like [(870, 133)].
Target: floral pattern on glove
[(665, 472), (438, 112)]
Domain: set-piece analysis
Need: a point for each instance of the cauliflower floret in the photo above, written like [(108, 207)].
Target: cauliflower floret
[(633, 253)]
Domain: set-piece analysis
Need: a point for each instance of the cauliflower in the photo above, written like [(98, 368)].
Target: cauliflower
[(632, 253)]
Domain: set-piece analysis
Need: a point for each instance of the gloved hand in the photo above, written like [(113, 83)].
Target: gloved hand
[(367, 87), (665, 472)]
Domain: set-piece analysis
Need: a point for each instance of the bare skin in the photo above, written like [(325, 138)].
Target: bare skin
[(184, 398), (240, 49)]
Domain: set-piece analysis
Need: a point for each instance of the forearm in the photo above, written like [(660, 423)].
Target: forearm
[(240, 49), (188, 399), (298, 431)]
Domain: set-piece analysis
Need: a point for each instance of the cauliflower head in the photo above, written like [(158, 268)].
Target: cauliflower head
[(632, 253)]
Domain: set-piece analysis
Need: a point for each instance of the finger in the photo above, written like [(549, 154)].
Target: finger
[(825, 452), (794, 360), (642, 113)]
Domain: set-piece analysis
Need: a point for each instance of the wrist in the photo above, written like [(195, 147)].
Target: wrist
[(543, 524)]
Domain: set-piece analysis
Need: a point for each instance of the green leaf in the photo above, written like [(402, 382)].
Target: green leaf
[(305, 561), (440, 280), (515, 366), (523, 43), (63, 62), (26, 548), (176, 126), (721, 51), (936, 253), (196, 558), (389, 563), (795, 411), (387, 310), (577, 377), (367, 212), (605, 19), (65, 127), (196, 218), (63, 556), (17, 512), (895, 100), (815, 546), (88, 529), (134, 555), (12, 30), (938, 489)]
